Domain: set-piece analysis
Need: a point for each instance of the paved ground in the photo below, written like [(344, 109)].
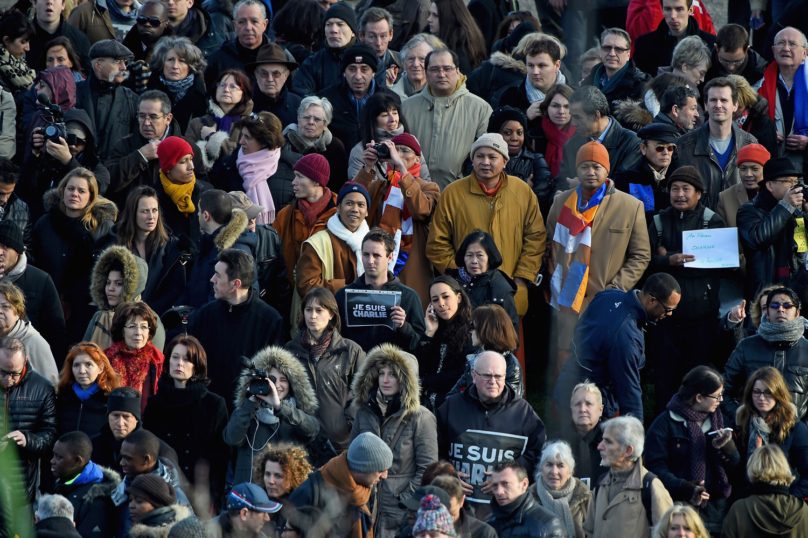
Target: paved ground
[(718, 11)]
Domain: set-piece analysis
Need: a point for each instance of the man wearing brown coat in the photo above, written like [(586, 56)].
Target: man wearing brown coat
[(333, 258), (613, 245)]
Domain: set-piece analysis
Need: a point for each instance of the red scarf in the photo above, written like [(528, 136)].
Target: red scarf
[(133, 365), (490, 192), (769, 87), (312, 211), (556, 138)]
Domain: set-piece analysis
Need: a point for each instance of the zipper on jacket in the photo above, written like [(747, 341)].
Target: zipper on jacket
[(81, 410)]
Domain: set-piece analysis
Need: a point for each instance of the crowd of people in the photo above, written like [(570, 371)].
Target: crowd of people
[(402, 268)]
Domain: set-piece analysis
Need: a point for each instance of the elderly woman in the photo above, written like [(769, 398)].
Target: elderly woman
[(132, 354), (753, 114), (680, 521), (262, 167), (187, 414), (386, 400), (286, 413), (15, 74), (14, 325), (690, 451), (555, 128), (86, 380), (691, 59), (558, 491), (176, 67), (311, 135), (783, 514), (413, 54), (215, 132)]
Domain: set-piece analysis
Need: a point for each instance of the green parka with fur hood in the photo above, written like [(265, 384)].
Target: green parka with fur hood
[(408, 428), (253, 424), (135, 275)]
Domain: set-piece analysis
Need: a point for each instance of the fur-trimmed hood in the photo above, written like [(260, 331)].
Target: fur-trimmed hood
[(135, 275), (104, 210), (283, 360), (632, 114), (509, 63), (105, 487), (158, 523), (405, 368), (230, 232)]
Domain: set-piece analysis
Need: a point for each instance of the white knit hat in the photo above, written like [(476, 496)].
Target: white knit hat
[(493, 141)]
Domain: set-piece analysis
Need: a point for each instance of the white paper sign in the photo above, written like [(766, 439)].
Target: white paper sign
[(713, 249)]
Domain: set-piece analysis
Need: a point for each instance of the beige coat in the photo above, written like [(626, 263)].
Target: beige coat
[(625, 516), (729, 202)]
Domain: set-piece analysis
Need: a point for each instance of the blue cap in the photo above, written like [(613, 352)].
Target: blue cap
[(251, 497)]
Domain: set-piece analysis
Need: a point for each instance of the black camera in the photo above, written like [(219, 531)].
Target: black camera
[(56, 124), (383, 150), (55, 132), (259, 384)]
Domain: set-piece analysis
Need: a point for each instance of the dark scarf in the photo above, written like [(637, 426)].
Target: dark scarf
[(464, 275), (698, 444), (556, 138), (186, 27), (762, 488), (180, 87), (316, 347), (170, 396), (767, 199), (312, 211), (613, 82)]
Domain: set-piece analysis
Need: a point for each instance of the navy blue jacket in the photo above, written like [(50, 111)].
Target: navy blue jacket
[(608, 348), (795, 448)]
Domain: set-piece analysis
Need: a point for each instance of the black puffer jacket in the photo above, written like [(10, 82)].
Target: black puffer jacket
[(227, 177), (17, 212), (493, 286), (320, 70), (29, 407), (700, 287), (221, 16), (88, 416), (524, 518), (203, 35), (753, 353), (93, 512), (273, 285), (766, 229)]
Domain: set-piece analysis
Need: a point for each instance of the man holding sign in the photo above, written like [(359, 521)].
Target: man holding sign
[(697, 314), (486, 425)]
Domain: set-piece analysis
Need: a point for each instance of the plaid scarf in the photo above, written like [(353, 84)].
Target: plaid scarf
[(316, 347), (396, 219), (572, 243)]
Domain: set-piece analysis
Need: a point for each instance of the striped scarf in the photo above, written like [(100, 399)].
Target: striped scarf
[(396, 219), (572, 243)]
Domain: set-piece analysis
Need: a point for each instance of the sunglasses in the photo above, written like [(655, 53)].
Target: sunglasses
[(670, 148), (786, 306), (154, 22), (668, 309)]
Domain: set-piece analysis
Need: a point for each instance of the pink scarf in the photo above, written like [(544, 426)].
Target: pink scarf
[(255, 169)]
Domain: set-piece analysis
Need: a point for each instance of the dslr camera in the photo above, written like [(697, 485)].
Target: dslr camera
[(56, 123), (383, 150), (259, 379)]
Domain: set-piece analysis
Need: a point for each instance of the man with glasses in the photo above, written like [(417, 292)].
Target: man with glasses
[(713, 148), (271, 70), (655, 49), (697, 315), (112, 108), (133, 160), (609, 345), (732, 55), (779, 343), (28, 420), (489, 405), (767, 224), (646, 181), (779, 86), (616, 75), (446, 118)]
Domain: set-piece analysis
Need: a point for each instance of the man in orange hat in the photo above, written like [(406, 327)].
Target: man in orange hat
[(751, 159), (589, 255)]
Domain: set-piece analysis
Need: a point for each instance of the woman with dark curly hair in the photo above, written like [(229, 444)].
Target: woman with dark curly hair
[(176, 67), (85, 382), (446, 341), (298, 26), (132, 353)]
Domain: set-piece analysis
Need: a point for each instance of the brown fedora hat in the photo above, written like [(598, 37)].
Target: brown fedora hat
[(271, 54)]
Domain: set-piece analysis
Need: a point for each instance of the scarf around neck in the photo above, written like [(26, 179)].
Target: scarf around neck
[(266, 414), (758, 427), (789, 331), (316, 347), (118, 15), (180, 193), (396, 218), (133, 364), (699, 446), (556, 138), (301, 144), (16, 70), (311, 211), (353, 239), (180, 87), (558, 501), (85, 395), (337, 475), (255, 169)]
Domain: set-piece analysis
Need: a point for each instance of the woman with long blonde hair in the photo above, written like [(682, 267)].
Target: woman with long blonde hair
[(680, 517)]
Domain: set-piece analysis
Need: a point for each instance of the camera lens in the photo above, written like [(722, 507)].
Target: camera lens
[(51, 131)]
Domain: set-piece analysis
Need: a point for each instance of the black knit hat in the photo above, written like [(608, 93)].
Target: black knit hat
[(687, 174), (124, 399), (360, 54), (153, 489), (503, 115), (341, 10), (517, 34), (11, 236)]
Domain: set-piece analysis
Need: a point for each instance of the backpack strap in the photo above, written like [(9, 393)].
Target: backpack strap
[(708, 214), (317, 485), (646, 496), (658, 224)]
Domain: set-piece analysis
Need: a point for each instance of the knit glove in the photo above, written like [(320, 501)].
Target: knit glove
[(724, 442)]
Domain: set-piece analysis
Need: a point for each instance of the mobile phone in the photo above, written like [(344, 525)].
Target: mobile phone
[(720, 431), (755, 23)]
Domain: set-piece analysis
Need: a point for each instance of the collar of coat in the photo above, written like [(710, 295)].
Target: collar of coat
[(405, 368), (131, 275), (634, 480), (104, 210), (105, 487), (230, 232), (703, 138), (158, 522), (475, 188), (299, 382)]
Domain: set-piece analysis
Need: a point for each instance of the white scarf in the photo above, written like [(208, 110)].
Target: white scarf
[(354, 239)]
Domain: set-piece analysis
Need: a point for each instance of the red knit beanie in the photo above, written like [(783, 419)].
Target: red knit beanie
[(406, 139), (754, 153), (315, 167), (171, 150)]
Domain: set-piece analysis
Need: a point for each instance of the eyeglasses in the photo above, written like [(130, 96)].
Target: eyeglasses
[(154, 22), (274, 74), (617, 50), (732, 62), (765, 393), (404, 150), (142, 328), (151, 118), (670, 148), (786, 306), (438, 69), (720, 397), (790, 182), (488, 377), (668, 309), (791, 44), (229, 87), (13, 375), (309, 118)]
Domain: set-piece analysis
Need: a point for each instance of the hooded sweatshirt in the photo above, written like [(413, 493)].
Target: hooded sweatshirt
[(62, 84)]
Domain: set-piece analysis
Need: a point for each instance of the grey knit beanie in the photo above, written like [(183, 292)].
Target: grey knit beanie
[(493, 141), (369, 454), (190, 527)]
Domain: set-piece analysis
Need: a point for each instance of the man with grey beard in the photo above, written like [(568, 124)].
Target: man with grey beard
[(112, 107)]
